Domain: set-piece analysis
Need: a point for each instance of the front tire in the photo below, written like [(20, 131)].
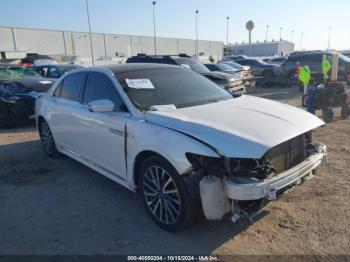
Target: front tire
[(47, 140), (164, 194), (345, 112)]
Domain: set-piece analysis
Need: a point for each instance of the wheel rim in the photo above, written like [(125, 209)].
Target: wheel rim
[(47, 138), (161, 195)]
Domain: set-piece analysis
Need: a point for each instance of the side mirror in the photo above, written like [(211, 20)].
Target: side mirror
[(34, 94), (101, 106)]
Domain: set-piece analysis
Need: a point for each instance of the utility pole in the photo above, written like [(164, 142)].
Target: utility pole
[(227, 19), (91, 47), (267, 31), (197, 53), (154, 28)]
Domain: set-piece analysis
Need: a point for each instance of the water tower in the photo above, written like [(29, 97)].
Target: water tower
[(250, 26)]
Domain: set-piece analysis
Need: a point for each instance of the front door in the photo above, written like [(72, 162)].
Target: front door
[(103, 139)]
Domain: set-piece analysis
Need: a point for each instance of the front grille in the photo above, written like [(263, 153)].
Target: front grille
[(287, 154)]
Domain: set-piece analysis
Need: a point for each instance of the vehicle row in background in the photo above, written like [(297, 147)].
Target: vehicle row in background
[(54, 70), (232, 83), (234, 69), (313, 59)]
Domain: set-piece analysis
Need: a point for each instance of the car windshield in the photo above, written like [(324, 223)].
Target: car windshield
[(8, 73), (224, 67), (179, 87), (192, 64), (233, 65), (262, 62), (344, 58)]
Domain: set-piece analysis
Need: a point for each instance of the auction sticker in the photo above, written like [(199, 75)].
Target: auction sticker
[(139, 83)]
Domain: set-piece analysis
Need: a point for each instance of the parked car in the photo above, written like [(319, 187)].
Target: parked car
[(314, 61), (54, 71), (228, 81), (234, 57), (245, 75), (260, 68), (277, 61), (10, 72), (177, 138), (36, 59), (17, 98)]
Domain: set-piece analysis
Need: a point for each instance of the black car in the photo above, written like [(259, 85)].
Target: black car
[(314, 61), (17, 98), (248, 78), (54, 71), (260, 68), (232, 83)]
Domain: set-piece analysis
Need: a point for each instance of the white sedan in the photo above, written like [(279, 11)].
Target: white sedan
[(184, 143)]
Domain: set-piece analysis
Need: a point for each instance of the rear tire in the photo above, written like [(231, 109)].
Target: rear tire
[(327, 114), (164, 194), (47, 140), (345, 112)]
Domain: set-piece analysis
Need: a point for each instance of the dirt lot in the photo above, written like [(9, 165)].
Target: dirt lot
[(61, 207)]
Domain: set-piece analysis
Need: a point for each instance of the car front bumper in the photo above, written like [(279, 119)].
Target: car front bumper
[(249, 189)]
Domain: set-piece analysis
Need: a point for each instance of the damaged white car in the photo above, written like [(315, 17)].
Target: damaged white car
[(184, 143)]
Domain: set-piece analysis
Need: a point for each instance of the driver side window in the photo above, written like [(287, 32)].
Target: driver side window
[(98, 87)]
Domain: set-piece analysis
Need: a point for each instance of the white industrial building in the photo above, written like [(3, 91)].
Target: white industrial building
[(273, 48), (77, 44)]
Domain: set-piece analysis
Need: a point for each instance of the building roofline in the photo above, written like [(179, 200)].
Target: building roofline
[(103, 33)]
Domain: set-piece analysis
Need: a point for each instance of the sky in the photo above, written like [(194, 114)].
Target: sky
[(176, 18)]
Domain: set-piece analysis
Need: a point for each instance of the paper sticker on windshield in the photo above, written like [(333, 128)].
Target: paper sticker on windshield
[(139, 83), (45, 82)]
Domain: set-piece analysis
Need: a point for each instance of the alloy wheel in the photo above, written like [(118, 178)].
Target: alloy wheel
[(161, 194), (47, 138)]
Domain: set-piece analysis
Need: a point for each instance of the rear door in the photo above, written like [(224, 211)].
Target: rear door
[(66, 118)]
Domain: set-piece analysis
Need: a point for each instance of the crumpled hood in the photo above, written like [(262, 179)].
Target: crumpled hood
[(244, 127)]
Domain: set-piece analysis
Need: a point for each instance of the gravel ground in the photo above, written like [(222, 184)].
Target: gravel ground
[(61, 207)]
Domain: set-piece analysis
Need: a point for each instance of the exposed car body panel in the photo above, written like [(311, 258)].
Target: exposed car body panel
[(244, 127)]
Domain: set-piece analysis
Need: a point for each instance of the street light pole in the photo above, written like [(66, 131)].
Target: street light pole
[(227, 18), (291, 36), (281, 33), (154, 28), (88, 17), (197, 55), (267, 31), (329, 38), (301, 40)]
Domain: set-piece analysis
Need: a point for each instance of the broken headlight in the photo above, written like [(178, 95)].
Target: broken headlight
[(231, 167)]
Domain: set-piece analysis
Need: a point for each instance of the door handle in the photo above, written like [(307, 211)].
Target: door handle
[(117, 132)]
